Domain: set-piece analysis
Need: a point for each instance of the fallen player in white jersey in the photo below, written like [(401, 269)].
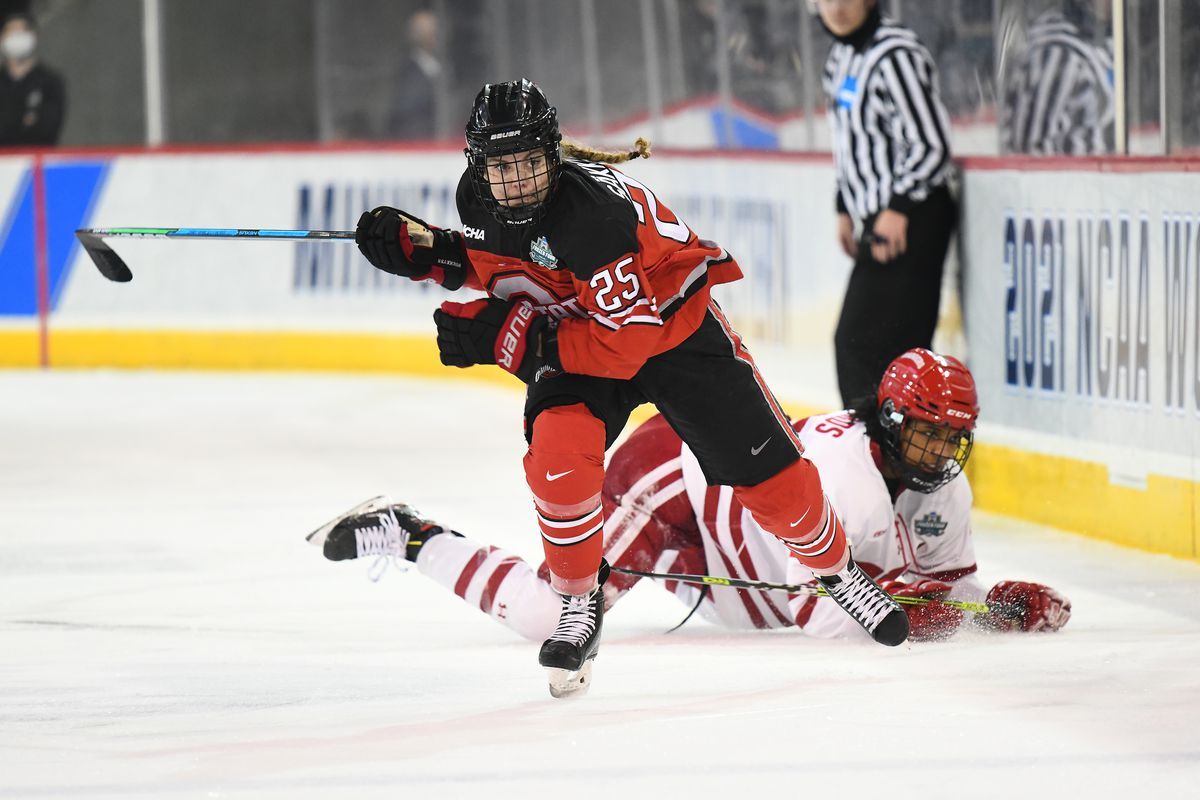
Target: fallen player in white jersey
[(892, 468)]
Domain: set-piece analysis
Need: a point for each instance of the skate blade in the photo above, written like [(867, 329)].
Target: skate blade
[(319, 536), (570, 683)]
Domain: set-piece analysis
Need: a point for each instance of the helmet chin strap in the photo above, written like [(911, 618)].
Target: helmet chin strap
[(888, 468)]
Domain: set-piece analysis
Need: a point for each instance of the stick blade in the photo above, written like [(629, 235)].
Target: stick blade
[(109, 263)]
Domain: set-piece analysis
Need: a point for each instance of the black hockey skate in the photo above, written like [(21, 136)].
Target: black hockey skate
[(867, 604), (568, 654), (377, 527)]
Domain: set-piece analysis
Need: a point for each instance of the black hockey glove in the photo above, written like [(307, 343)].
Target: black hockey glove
[(509, 334), (397, 242)]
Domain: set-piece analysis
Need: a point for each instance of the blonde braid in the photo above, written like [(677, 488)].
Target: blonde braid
[(582, 152)]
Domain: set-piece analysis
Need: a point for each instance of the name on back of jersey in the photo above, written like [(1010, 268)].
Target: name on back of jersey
[(605, 177)]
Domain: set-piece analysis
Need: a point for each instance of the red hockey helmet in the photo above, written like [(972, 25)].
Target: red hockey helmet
[(928, 406)]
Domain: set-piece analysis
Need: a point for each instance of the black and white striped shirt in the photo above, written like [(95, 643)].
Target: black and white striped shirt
[(1058, 96), (891, 134)]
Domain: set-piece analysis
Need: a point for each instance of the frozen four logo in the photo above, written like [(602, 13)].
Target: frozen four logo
[(541, 254), (931, 524)]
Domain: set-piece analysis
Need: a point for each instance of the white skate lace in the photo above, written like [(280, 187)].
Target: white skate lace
[(861, 598), (577, 621), (386, 540)]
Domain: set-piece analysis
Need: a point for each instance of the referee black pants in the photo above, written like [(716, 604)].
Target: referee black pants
[(893, 307)]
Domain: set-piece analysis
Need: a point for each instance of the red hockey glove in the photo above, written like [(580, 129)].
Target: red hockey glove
[(397, 242), (1018, 605), (509, 334), (931, 621)]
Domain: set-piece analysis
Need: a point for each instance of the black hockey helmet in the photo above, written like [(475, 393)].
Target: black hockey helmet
[(509, 118)]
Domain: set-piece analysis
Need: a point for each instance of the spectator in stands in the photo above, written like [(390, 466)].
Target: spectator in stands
[(9, 8), (698, 19), (32, 96), (745, 36), (415, 113)]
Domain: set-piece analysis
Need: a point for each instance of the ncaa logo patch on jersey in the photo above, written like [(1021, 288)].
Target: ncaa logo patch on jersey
[(849, 91), (931, 524), (541, 254)]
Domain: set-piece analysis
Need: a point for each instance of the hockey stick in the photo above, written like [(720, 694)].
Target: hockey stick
[(791, 588), (112, 267)]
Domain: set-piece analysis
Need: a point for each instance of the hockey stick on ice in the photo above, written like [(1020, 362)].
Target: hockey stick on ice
[(791, 588), (112, 267)]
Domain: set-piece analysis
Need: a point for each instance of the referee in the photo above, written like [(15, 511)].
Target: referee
[(892, 154), (1059, 98)]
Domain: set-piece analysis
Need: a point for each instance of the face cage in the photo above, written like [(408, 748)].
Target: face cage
[(529, 209), (919, 478)]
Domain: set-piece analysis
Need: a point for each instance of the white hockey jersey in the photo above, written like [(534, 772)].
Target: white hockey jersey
[(919, 536), (662, 516)]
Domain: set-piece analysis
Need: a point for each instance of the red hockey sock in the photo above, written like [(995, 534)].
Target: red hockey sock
[(565, 470), (792, 506)]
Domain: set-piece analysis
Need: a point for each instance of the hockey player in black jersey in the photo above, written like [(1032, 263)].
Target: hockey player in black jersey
[(599, 300)]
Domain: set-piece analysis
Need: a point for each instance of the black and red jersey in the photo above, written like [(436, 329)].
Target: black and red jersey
[(625, 278)]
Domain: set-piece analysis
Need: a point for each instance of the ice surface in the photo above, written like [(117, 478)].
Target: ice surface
[(167, 632)]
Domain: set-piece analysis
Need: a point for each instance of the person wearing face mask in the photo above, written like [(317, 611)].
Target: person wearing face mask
[(891, 153), (32, 96)]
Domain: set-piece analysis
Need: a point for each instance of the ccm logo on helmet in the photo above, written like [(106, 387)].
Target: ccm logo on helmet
[(514, 336), (954, 412), (504, 135)]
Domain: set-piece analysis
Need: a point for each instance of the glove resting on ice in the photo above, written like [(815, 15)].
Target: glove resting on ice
[(1025, 606)]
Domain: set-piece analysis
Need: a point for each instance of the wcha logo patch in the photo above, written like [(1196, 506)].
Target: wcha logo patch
[(931, 524), (541, 254)]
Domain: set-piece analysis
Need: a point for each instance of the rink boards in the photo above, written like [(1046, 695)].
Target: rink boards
[(1081, 286), (1082, 309)]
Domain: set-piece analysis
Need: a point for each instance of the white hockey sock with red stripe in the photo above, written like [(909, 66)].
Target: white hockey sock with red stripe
[(497, 582)]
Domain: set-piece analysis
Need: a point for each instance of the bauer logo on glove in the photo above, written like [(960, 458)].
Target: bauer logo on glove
[(510, 347), (510, 334)]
